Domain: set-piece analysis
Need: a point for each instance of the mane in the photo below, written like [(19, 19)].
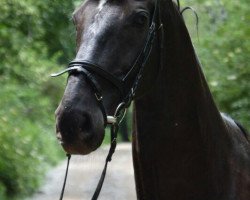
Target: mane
[(182, 62)]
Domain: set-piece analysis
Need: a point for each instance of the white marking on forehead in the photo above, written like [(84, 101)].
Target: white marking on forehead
[(101, 4)]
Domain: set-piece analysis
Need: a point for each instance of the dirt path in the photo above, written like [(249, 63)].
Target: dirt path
[(84, 173)]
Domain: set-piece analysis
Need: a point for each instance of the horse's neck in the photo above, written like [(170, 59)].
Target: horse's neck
[(178, 130)]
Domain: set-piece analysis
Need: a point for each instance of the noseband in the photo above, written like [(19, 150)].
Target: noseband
[(90, 70)]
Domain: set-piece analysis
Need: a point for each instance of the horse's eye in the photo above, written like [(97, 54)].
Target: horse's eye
[(141, 18)]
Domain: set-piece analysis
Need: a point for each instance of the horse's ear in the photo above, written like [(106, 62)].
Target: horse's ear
[(178, 4)]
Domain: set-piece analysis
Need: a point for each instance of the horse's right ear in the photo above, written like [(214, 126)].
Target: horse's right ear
[(178, 5)]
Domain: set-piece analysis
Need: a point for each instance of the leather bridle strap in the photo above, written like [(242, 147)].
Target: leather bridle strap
[(144, 54), (96, 69), (89, 69), (114, 130), (65, 176)]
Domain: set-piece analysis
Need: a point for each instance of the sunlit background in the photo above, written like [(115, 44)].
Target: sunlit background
[(38, 38)]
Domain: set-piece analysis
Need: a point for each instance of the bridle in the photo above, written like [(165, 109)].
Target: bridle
[(89, 70)]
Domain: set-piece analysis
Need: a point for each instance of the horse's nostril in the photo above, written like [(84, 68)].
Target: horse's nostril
[(74, 124)]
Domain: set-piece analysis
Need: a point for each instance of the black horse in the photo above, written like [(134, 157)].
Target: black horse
[(183, 148)]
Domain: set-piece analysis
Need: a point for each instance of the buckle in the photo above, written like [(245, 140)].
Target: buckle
[(98, 96)]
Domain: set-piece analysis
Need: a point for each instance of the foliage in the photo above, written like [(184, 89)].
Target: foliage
[(224, 48), (34, 40)]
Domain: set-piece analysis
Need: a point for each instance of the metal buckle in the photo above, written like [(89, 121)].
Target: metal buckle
[(98, 97), (119, 115)]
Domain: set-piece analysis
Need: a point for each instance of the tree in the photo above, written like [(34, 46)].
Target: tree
[(33, 42), (224, 49)]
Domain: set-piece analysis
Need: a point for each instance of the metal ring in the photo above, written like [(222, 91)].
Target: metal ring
[(98, 97), (119, 108), (118, 115)]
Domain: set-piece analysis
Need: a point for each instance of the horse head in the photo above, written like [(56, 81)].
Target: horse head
[(111, 37)]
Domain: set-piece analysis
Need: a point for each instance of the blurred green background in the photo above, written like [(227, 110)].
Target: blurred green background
[(38, 38)]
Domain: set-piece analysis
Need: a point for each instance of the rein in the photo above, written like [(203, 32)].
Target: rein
[(120, 113), (89, 69)]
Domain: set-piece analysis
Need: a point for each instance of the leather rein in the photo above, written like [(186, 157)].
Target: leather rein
[(89, 70)]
